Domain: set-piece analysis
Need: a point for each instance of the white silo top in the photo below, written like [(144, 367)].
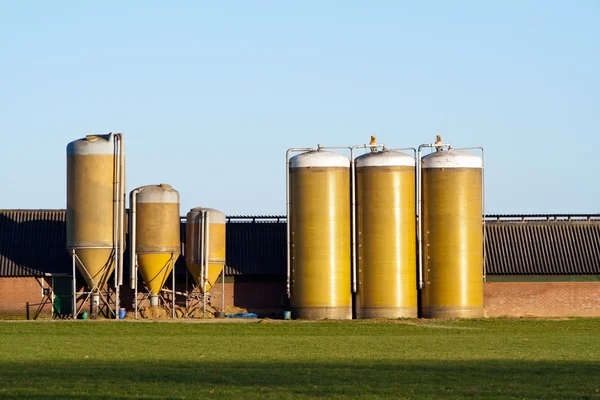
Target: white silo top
[(385, 158), (92, 145), (451, 159), (162, 193), (319, 158), (215, 216)]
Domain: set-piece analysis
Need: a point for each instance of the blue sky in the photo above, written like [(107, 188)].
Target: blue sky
[(210, 95)]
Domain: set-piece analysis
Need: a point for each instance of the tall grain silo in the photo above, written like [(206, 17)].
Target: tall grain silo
[(155, 237), (386, 235), (319, 230), (452, 233), (95, 217), (205, 242)]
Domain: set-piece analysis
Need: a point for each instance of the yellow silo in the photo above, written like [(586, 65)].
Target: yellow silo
[(205, 225), (96, 209), (155, 212), (386, 235), (452, 234), (319, 218)]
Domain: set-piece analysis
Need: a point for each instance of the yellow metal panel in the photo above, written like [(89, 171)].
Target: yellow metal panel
[(386, 232), (157, 236), (155, 268), (158, 228), (216, 253), (452, 242), (320, 230), (90, 213)]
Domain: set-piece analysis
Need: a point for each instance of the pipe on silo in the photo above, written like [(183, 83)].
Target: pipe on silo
[(287, 210)]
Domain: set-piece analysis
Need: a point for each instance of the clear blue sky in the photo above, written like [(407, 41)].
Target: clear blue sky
[(210, 95)]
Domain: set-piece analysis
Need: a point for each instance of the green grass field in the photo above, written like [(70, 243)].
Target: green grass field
[(507, 359)]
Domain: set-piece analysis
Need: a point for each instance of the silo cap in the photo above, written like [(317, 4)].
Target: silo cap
[(451, 159)]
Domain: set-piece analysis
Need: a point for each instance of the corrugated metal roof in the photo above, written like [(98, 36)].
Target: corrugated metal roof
[(543, 248), (32, 243), (256, 247)]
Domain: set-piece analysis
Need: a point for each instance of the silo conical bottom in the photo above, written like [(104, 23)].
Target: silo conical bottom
[(96, 266), (155, 268), (452, 312), (214, 270), (322, 312), (386, 312)]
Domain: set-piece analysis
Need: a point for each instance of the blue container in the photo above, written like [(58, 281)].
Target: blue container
[(122, 313), (287, 315)]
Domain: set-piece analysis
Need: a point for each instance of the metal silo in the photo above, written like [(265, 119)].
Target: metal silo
[(155, 238), (385, 234), (95, 217), (319, 235), (451, 233), (205, 248)]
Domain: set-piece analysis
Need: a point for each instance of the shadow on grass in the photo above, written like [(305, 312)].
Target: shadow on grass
[(90, 379)]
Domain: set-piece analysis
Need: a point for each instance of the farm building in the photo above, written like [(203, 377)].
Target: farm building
[(535, 265)]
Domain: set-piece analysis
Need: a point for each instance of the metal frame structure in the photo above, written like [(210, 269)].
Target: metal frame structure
[(119, 197)]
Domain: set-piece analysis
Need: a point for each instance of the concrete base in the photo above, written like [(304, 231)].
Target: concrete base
[(315, 313), (386, 312), (452, 312)]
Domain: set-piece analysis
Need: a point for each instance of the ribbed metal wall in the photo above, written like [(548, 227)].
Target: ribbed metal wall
[(32, 242), (256, 246), (542, 248)]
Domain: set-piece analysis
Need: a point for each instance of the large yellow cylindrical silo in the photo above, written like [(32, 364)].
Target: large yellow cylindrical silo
[(204, 224), (95, 177), (320, 235), (157, 235), (386, 235), (452, 235)]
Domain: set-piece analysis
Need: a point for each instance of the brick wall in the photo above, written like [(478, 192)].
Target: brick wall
[(542, 299), (16, 292), (513, 299)]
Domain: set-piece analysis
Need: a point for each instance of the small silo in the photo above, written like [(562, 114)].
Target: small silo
[(205, 245), (155, 235), (319, 218), (452, 234), (386, 235), (95, 211)]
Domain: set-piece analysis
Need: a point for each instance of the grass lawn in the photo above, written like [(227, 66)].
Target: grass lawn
[(504, 358)]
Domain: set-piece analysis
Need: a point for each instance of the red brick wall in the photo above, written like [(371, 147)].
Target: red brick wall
[(542, 299), (513, 299), (16, 292)]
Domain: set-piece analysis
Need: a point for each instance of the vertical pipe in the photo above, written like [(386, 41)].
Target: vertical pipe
[(201, 239), (288, 222), (206, 255), (132, 239), (74, 285), (116, 211), (122, 200), (353, 216), (419, 218), (287, 215), (136, 287)]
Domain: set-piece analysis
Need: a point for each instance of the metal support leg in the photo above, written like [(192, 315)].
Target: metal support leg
[(173, 283), (74, 286)]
